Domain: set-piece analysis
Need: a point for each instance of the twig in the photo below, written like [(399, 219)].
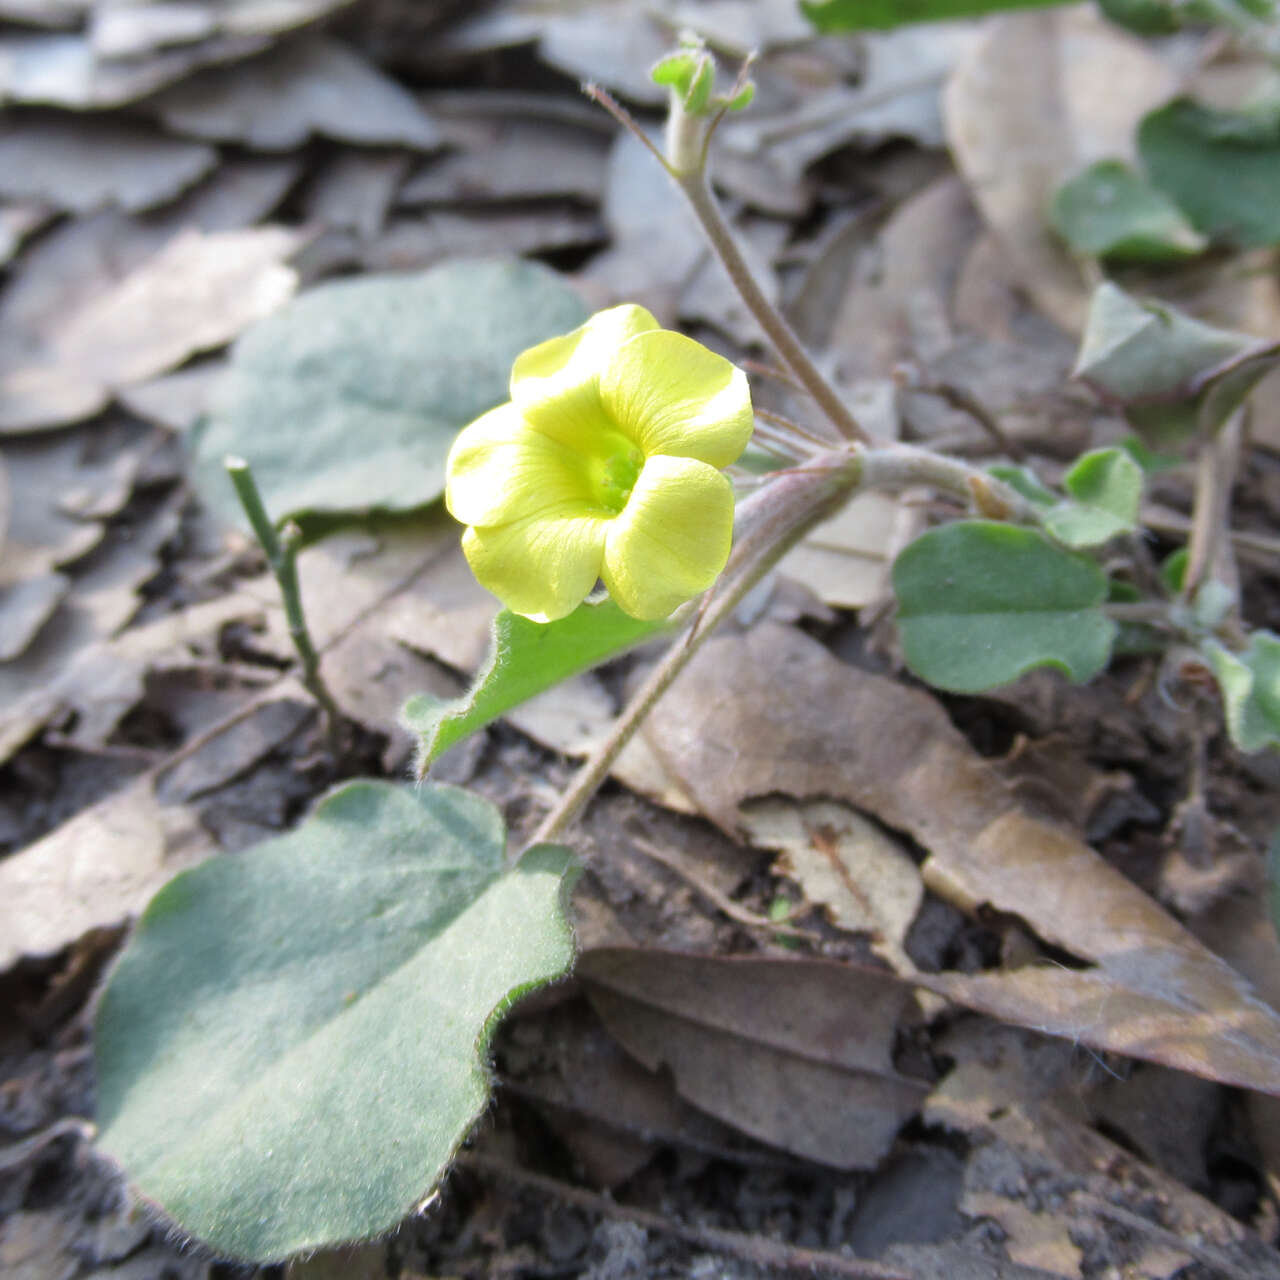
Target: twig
[(793, 427), (759, 1250), (1216, 1259), (16, 1154), (722, 902), (775, 325), (959, 398), (282, 556), (777, 517)]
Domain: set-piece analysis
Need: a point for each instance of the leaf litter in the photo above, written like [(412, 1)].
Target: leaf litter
[(132, 623)]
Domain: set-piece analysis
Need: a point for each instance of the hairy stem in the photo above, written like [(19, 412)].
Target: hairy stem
[(771, 522), (771, 320), (282, 556), (1209, 551)]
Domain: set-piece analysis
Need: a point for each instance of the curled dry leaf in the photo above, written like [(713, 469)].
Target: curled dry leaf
[(796, 1053), (1041, 97), (1150, 990), (865, 878)]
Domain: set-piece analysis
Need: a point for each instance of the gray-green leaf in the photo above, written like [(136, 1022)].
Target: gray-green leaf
[(347, 400), (525, 658), (291, 1047), (1106, 488), (1221, 167), (1250, 684), (1109, 211), (980, 603), (1173, 375)]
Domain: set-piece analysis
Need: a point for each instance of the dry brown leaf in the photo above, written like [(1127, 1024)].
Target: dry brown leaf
[(315, 85), (354, 191), (1152, 991), (62, 68), (1041, 97), (94, 871), (80, 165), (516, 158), (196, 294), (796, 1053), (866, 879)]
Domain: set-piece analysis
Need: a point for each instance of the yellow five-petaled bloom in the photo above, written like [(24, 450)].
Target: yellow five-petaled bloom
[(605, 464)]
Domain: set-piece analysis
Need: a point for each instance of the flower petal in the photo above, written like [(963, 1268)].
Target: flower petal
[(672, 538), (500, 470), (543, 566), (673, 396), (556, 383)]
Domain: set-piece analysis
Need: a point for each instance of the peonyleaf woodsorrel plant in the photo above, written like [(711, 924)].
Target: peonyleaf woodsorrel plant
[(292, 1047)]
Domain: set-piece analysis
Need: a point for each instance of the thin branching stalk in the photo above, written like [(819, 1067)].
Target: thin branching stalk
[(281, 550)]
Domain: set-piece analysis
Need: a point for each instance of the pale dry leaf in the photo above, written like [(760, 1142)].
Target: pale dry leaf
[(79, 165), (17, 222), (1041, 97), (94, 871), (195, 295), (863, 877), (314, 85), (515, 158), (1151, 991), (198, 293), (796, 1053), (354, 191), (70, 668), (175, 400), (63, 69), (918, 256)]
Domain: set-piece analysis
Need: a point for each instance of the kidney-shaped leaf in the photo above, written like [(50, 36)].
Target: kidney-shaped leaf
[(525, 658), (980, 603), (291, 1047), (1106, 485), (348, 399)]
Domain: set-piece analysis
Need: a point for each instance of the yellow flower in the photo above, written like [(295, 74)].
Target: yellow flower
[(606, 464)]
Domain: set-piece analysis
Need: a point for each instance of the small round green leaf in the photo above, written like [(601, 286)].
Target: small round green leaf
[(346, 400), (1106, 488), (1109, 211), (1250, 685), (980, 603), (291, 1047)]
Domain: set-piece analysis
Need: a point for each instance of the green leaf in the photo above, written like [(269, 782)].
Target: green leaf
[(1106, 485), (1151, 462), (1221, 167), (1109, 211), (1173, 570), (525, 658), (1171, 374), (292, 1046), (1025, 482), (347, 400), (1146, 17), (861, 15), (980, 603), (1250, 684)]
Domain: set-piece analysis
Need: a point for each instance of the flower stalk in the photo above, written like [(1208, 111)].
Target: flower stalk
[(281, 549)]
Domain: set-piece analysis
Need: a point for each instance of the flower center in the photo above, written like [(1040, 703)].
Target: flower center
[(613, 469)]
